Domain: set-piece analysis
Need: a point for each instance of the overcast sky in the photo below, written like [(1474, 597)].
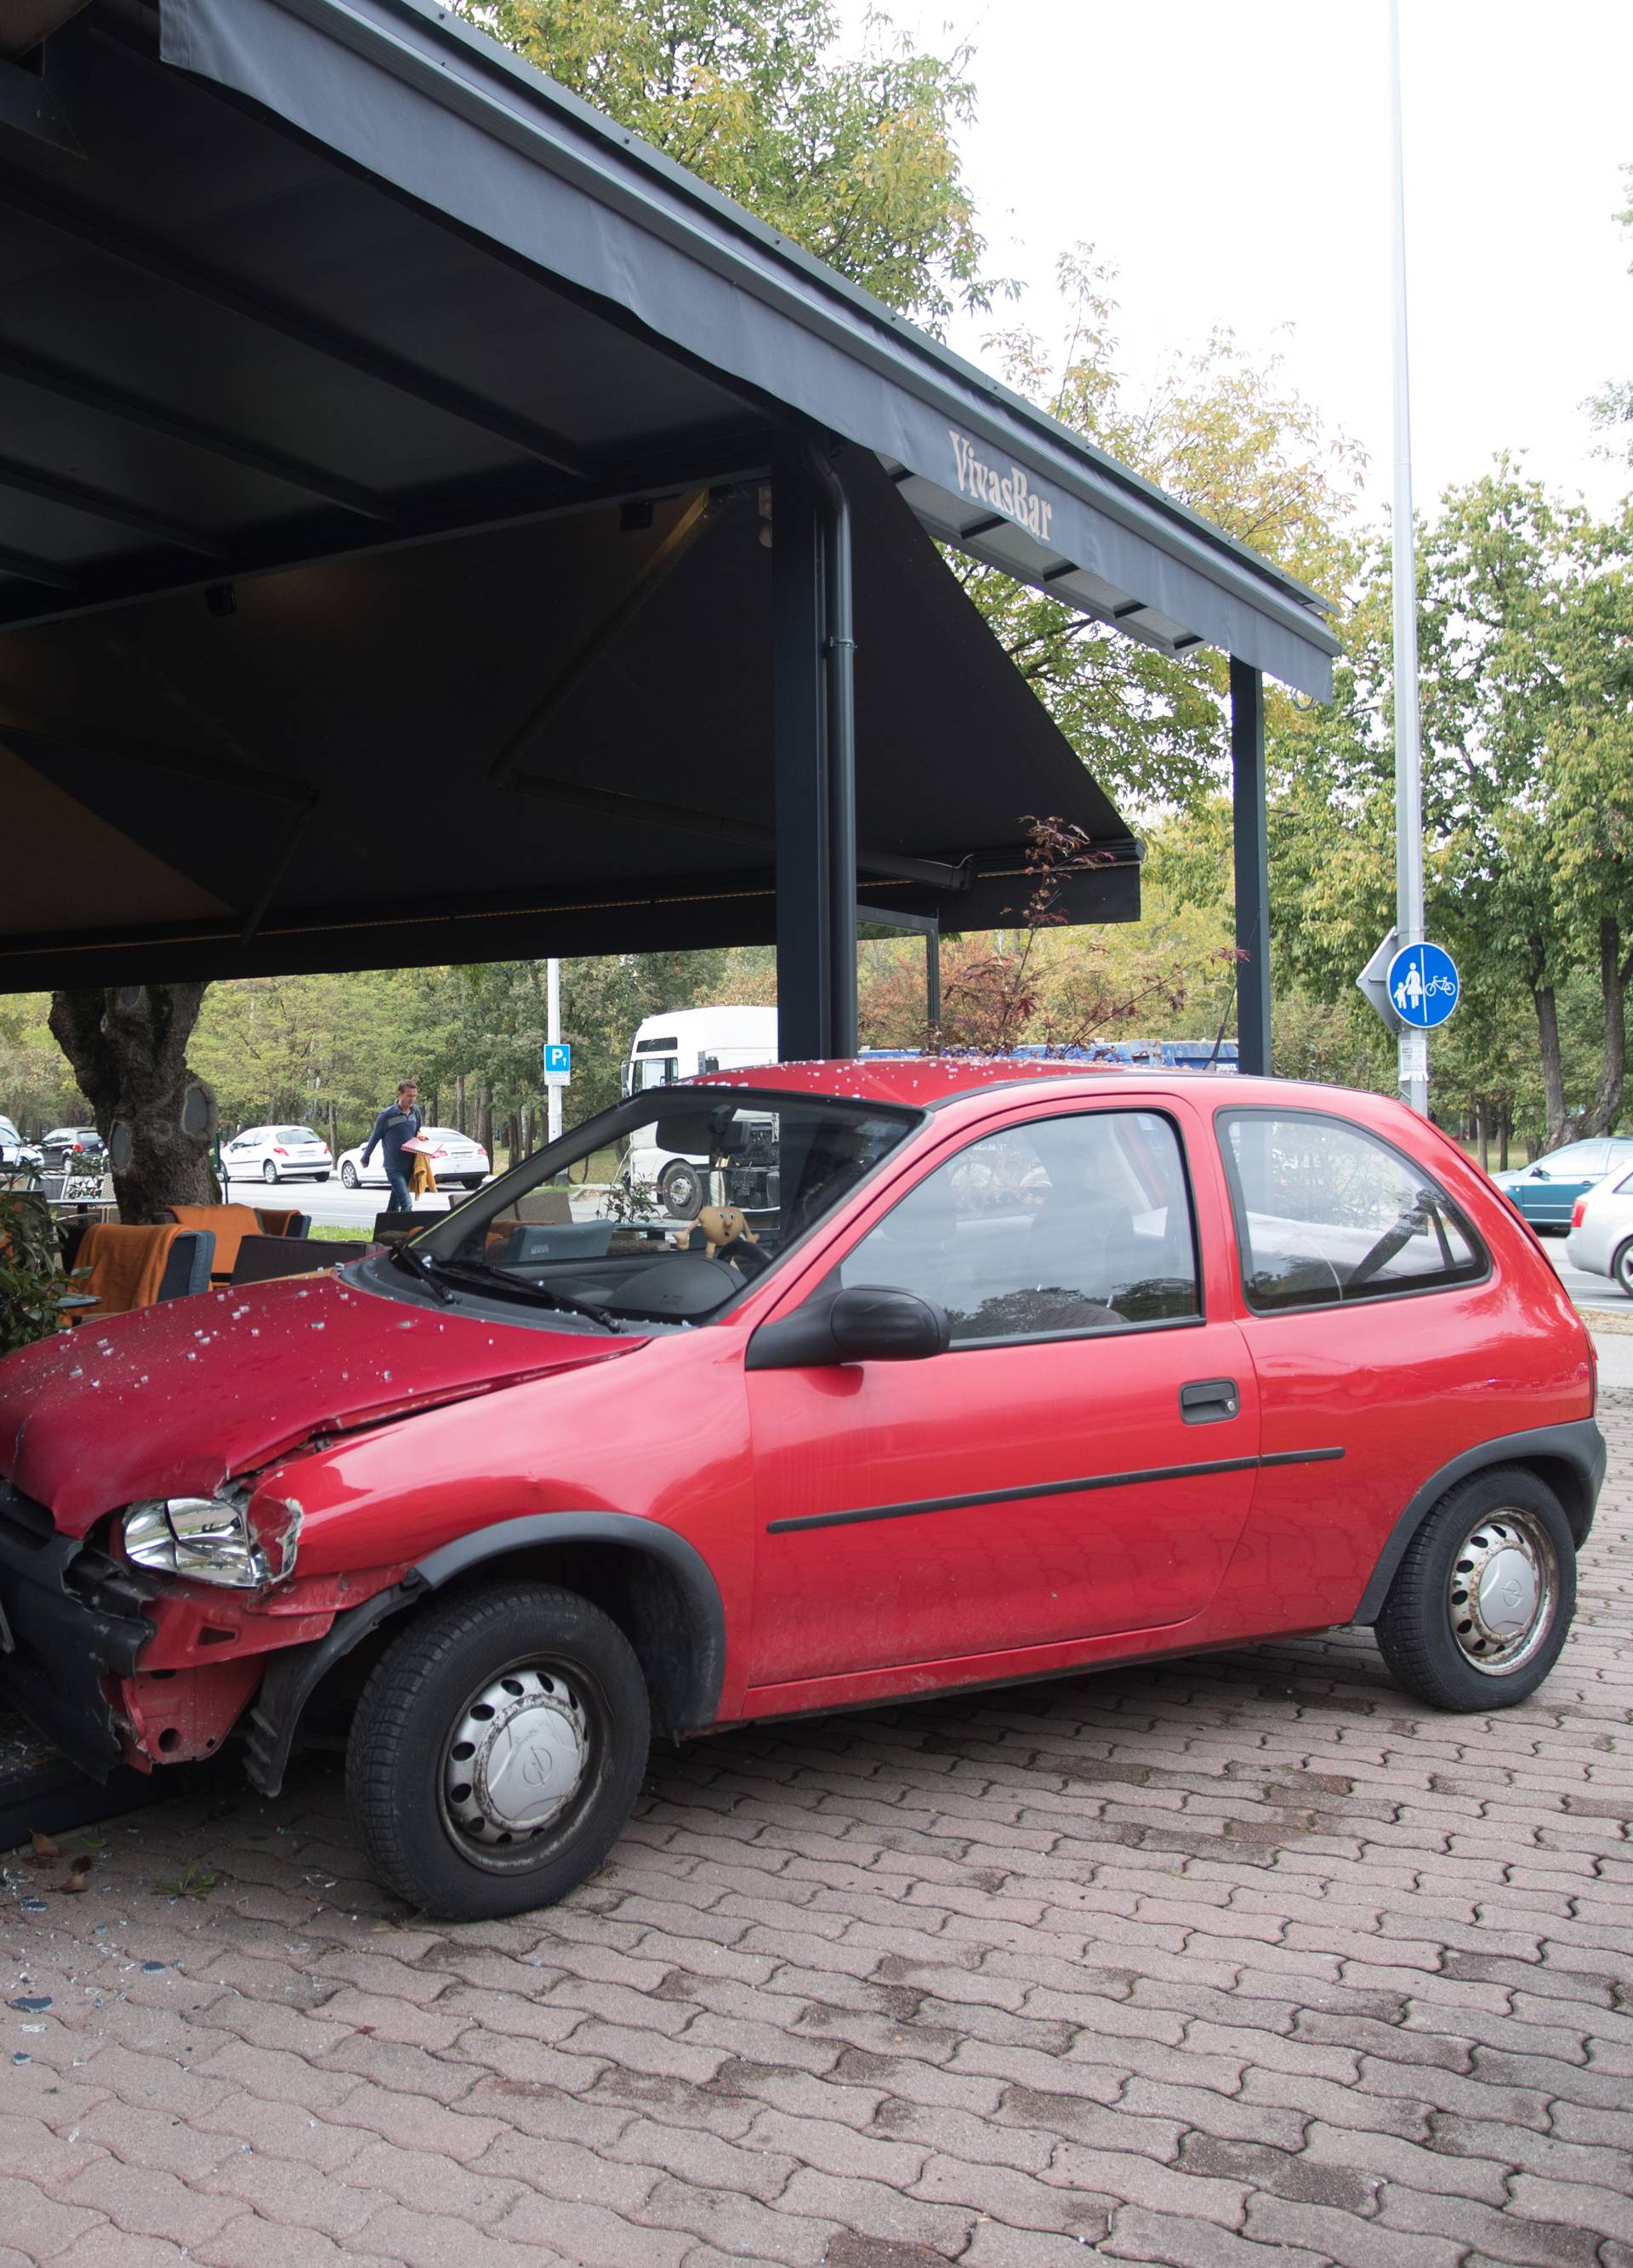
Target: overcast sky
[(1232, 161)]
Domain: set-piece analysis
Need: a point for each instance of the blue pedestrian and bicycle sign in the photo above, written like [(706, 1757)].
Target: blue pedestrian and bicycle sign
[(1423, 986)]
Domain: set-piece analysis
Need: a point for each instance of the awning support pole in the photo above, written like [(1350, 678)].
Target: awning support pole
[(804, 1019), (839, 721), (1252, 866)]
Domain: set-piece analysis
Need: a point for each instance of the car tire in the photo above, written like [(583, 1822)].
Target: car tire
[(680, 1187), (1621, 1266), (1447, 1629), (530, 1654), (320, 1177), (348, 1177), (268, 1172)]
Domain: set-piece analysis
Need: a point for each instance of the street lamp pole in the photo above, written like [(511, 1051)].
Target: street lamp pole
[(1414, 1045)]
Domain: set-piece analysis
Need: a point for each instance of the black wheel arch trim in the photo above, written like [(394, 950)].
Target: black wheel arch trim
[(692, 1675), (1579, 1446)]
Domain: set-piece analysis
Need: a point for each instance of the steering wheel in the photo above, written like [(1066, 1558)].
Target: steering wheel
[(730, 1237)]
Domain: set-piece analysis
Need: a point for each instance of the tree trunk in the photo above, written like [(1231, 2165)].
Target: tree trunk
[(1505, 1135), (1483, 1136), (1553, 1074), (460, 1119), (1601, 1115), (128, 1047)]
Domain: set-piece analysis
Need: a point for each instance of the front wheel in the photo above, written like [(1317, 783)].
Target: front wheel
[(348, 1176), (680, 1186), (1482, 1603), (268, 1172), (497, 1751), (1621, 1267)]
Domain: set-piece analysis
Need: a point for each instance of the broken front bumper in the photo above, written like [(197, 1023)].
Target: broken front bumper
[(70, 1617)]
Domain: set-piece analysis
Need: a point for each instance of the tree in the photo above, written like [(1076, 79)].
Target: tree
[(853, 158), (1221, 434), (128, 1046)]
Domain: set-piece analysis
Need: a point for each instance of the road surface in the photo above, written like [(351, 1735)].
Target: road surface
[(329, 1204)]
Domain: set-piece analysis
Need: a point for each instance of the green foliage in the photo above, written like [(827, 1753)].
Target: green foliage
[(853, 158), (1225, 436), (31, 1272), (1526, 633), (330, 1050), (37, 1090)]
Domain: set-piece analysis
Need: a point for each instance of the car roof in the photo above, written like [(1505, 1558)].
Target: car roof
[(929, 1082)]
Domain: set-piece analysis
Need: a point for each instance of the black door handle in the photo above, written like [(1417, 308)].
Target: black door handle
[(1207, 1400)]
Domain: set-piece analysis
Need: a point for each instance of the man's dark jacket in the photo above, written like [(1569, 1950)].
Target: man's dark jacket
[(391, 1129)]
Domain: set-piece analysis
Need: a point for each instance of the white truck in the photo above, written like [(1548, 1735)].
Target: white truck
[(683, 1044)]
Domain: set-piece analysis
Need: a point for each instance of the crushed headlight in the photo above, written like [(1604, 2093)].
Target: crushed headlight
[(210, 1539)]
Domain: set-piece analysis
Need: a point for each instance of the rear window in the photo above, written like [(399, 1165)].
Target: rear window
[(297, 1134), (1326, 1213)]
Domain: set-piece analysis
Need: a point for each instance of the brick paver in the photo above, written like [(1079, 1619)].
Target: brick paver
[(1244, 1960)]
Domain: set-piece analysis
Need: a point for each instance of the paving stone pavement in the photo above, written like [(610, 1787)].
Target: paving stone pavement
[(1243, 1961)]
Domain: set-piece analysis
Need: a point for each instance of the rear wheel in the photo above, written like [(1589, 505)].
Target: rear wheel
[(348, 1175), (497, 1751), (1621, 1267), (1482, 1603), (268, 1171)]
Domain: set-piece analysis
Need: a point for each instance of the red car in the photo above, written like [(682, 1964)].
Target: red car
[(972, 1372)]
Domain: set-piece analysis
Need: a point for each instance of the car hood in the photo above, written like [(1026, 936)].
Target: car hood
[(179, 1398)]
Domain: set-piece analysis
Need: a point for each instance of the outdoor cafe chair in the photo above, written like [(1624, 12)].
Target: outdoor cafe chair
[(261, 1258)]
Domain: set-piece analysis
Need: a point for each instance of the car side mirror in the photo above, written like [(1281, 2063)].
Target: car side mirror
[(870, 1322), (1541, 1174)]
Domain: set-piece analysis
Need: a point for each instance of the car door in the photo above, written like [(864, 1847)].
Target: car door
[(1078, 1461), (242, 1154), (1555, 1183)]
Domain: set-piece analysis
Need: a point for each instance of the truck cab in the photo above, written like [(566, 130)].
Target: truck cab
[(688, 1043)]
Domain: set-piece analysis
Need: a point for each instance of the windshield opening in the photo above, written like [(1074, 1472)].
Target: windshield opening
[(634, 1218)]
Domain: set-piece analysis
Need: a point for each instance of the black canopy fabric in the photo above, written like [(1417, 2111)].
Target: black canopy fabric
[(386, 445), (323, 756)]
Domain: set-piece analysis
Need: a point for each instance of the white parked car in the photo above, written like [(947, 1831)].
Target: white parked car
[(277, 1153), (462, 1164), (1600, 1241)]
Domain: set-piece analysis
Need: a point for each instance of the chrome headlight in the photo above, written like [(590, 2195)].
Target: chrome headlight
[(207, 1538)]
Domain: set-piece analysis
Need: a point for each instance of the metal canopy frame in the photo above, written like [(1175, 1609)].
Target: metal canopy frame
[(269, 406)]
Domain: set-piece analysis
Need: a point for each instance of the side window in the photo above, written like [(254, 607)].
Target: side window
[(1063, 1225), (1325, 1213)]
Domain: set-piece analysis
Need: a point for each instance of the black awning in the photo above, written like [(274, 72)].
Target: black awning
[(306, 781), (425, 246)]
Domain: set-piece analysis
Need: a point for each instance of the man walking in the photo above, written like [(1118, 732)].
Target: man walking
[(397, 1123)]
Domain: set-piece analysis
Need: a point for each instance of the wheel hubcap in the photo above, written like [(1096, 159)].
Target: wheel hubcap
[(517, 1757), (1502, 1592)]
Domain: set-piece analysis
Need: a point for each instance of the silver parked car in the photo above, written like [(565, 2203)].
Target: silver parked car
[(1601, 1231)]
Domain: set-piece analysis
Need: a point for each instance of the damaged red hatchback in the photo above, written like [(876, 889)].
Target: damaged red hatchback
[(971, 1372)]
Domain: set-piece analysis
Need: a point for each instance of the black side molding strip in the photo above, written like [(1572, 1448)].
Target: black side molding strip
[(1051, 1488)]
